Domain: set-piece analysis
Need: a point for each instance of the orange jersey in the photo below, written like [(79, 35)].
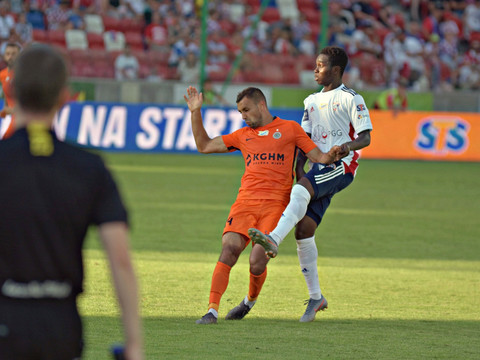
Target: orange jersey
[(6, 77), (269, 154)]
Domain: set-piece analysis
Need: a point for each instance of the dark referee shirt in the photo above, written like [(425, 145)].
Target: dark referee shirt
[(50, 192)]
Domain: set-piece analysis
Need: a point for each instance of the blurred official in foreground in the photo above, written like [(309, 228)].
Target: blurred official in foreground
[(50, 192)]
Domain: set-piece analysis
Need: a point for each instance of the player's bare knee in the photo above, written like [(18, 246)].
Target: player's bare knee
[(257, 268), (230, 254), (303, 233), (258, 260)]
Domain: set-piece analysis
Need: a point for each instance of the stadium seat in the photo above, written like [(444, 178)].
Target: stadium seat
[(57, 38), (103, 69), (158, 57), (252, 2), (217, 75), (144, 71), (288, 10), (271, 15), (287, 61), (228, 27), (143, 58), (100, 55), (307, 6), (76, 39), (253, 60), (291, 76), (305, 62), (40, 35), (135, 40), (132, 25), (166, 72), (82, 69), (314, 19), (111, 24), (474, 36), (272, 74), (270, 58), (95, 41), (114, 40), (253, 76), (79, 55), (373, 71), (93, 24)]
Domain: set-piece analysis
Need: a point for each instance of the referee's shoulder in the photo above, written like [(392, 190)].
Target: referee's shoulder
[(76, 153)]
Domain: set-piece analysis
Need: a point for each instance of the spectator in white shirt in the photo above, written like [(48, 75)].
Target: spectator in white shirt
[(7, 22), (126, 65)]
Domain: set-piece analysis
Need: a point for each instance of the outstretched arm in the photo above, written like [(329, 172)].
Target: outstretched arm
[(114, 237), (204, 143), (317, 156), (362, 140), (300, 165)]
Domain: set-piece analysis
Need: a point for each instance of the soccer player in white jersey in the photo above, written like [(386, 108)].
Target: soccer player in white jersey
[(336, 115)]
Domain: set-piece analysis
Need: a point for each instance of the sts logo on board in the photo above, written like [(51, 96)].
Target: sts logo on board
[(439, 135)]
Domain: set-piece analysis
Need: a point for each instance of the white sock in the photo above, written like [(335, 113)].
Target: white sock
[(249, 303), (307, 255), (213, 311), (294, 212)]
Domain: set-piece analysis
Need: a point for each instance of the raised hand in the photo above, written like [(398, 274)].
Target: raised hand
[(194, 99)]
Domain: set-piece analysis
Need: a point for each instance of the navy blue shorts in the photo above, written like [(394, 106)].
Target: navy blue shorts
[(326, 180)]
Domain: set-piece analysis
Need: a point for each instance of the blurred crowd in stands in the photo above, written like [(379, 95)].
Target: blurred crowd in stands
[(428, 45)]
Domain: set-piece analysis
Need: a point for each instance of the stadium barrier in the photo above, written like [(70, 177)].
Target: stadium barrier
[(144, 128), (424, 136), (166, 128)]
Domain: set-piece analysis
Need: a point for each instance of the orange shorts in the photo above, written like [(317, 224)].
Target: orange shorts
[(260, 214)]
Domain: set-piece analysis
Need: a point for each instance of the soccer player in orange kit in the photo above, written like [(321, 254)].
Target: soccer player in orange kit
[(6, 76), (268, 145)]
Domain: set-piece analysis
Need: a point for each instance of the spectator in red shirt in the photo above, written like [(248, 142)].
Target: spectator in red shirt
[(156, 34)]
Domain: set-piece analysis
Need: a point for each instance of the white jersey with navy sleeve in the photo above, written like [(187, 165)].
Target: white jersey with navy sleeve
[(335, 117)]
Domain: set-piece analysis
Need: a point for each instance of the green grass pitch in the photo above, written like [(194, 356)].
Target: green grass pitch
[(399, 262)]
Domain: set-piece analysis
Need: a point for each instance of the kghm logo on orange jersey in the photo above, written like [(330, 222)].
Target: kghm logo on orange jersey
[(265, 158)]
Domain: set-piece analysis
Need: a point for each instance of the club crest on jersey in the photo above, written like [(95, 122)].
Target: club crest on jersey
[(263, 133), (336, 106), (277, 135)]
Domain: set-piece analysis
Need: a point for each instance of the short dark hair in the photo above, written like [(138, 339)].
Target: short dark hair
[(252, 93), (13, 44), (40, 75), (336, 56)]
